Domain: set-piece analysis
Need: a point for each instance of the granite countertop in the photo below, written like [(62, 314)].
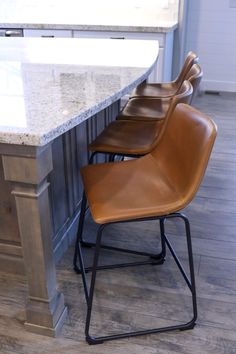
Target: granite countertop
[(89, 15), (50, 85)]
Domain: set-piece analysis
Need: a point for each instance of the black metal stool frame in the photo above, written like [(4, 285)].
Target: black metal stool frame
[(153, 258), (89, 293), (111, 156)]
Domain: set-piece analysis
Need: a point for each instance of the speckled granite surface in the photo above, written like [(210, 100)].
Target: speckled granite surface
[(105, 15), (48, 86)]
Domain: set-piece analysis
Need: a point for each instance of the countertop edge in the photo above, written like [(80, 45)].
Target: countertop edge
[(89, 27)]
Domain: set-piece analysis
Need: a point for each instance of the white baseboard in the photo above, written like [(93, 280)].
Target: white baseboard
[(212, 85)]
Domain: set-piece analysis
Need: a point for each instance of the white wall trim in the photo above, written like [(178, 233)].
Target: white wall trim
[(213, 85)]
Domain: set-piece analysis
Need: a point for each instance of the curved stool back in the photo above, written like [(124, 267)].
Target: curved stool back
[(190, 60), (195, 76), (153, 108), (166, 89), (137, 136)]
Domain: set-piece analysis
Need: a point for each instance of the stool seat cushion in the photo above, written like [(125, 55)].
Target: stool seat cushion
[(128, 137), (145, 108), (165, 89), (133, 189)]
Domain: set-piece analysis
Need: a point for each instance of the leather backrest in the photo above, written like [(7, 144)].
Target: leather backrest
[(184, 95), (190, 59), (184, 148), (194, 76)]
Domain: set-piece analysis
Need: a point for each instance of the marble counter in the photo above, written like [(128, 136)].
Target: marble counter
[(48, 86), (91, 15)]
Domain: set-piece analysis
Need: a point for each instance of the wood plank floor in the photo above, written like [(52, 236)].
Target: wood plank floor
[(152, 295)]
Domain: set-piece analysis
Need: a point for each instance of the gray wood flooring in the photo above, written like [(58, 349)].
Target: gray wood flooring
[(152, 295)]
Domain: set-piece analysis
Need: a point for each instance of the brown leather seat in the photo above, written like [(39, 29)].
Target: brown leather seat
[(155, 108), (136, 137), (166, 89), (155, 186), (127, 137)]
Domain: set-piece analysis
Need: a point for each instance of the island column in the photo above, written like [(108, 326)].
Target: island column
[(27, 169)]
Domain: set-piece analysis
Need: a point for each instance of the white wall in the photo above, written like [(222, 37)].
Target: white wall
[(211, 32)]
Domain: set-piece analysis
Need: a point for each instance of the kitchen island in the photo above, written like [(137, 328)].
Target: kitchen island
[(56, 95)]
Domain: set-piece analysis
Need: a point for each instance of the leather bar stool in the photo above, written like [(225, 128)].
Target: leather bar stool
[(129, 138), (157, 108), (166, 89), (136, 137), (154, 187), (153, 108)]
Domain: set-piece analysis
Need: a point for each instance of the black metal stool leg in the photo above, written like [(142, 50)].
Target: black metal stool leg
[(190, 282), (91, 157), (79, 232), (82, 270), (163, 243), (111, 157), (90, 339), (191, 267), (153, 258)]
